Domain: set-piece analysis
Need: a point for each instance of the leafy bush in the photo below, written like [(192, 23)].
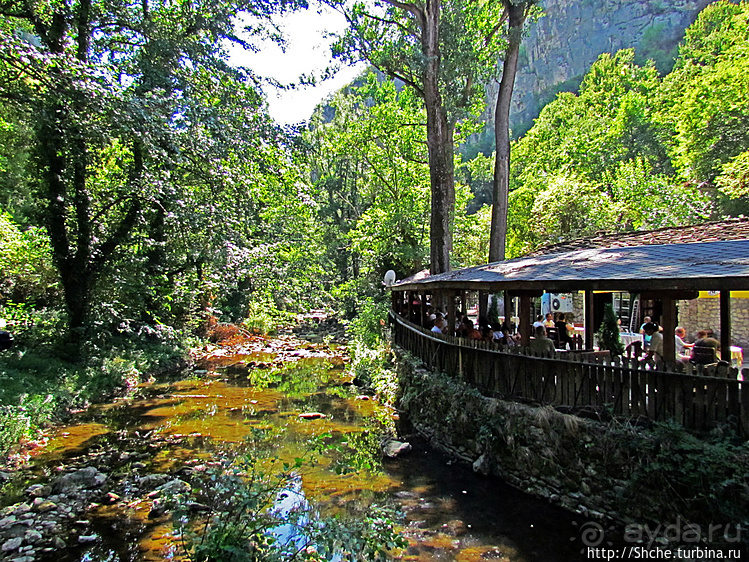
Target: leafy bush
[(608, 333), (702, 478)]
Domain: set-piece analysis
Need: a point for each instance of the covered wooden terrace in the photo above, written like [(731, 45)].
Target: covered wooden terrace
[(667, 272)]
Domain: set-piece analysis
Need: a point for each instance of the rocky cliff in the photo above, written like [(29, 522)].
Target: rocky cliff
[(571, 35)]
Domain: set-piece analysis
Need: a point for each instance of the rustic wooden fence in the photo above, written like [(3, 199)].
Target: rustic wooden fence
[(700, 399)]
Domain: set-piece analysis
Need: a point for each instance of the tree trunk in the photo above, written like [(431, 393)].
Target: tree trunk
[(501, 185), (440, 147)]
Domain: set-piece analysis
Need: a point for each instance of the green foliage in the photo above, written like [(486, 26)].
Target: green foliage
[(608, 333), (704, 98), (702, 478), (734, 179), (257, 512), (26, 271)]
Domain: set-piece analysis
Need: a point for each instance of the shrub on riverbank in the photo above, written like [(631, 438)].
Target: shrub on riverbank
[(371, 355), (38, 384)]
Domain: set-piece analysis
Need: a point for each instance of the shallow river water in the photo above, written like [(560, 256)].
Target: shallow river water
[(446, 511)]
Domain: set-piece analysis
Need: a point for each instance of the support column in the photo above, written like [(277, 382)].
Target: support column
[(508, 307), (524, 319), (394, 301), (422, 307), (451, 314), (590, 329), (725, 325), (409, 306), (483, 303), (669, 325), (463, 302)]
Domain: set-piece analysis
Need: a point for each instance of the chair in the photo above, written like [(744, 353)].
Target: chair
[(553, 334), (703, 355)]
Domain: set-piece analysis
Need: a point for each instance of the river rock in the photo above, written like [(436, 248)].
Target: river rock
[(86, 478), (151, 481), (58, 543), (39, 491), (12, 544), (88, 539), (312, 415), (174, 487), (482, 465), (32, 536), (392, 448), (41, 505)]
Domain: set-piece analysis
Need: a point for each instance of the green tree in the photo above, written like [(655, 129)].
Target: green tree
[(704, 98), (122, 98), (443, 51)]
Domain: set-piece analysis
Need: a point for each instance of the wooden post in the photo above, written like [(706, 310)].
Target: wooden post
[(725, 325), (483, 303), (463, 302), (409, 306), (422, 304), (590, 329), (525, 320), (508, 307), (394, 301), (451, 314), (669, 325)]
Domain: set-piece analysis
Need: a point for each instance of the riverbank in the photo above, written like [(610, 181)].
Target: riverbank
[(103, 468)]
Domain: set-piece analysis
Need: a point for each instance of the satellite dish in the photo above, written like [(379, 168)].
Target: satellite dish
[(389, 278)]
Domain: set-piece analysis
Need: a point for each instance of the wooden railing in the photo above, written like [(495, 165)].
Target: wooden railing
[(580, 381)]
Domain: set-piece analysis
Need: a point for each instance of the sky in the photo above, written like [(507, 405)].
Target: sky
[(307, 52)]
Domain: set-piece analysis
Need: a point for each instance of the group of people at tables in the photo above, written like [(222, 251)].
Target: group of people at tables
[(704, 350), (503, 335)]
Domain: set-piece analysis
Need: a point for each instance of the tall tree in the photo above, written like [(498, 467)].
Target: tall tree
[(515, 13), (111, 83), (443, 50)]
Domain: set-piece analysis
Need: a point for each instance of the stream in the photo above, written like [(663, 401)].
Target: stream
[(91, 492)]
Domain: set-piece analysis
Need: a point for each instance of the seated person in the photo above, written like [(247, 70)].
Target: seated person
[(705, 349), (539, 321), (439, 323), (549, 320), (563, 331), (541, 345), (485, 328), (655, 349), (470, 332), (683, 349), (506, 338)]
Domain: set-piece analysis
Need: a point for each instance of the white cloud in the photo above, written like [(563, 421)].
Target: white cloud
[(307, 53)]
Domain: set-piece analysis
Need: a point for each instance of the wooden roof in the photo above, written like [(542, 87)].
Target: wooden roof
[(718, 260)]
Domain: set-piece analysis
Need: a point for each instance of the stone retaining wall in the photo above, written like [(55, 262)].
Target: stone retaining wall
[(614, 471)]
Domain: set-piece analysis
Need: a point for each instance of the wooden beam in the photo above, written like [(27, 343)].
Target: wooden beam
[(590, 329), (669, 325), (674, 295), (725, 325), (526, 292)]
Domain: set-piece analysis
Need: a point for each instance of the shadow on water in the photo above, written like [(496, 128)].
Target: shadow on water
[(449, 513)]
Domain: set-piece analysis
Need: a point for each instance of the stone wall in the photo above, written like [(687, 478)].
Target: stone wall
[(699, 314), (601, 470)]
